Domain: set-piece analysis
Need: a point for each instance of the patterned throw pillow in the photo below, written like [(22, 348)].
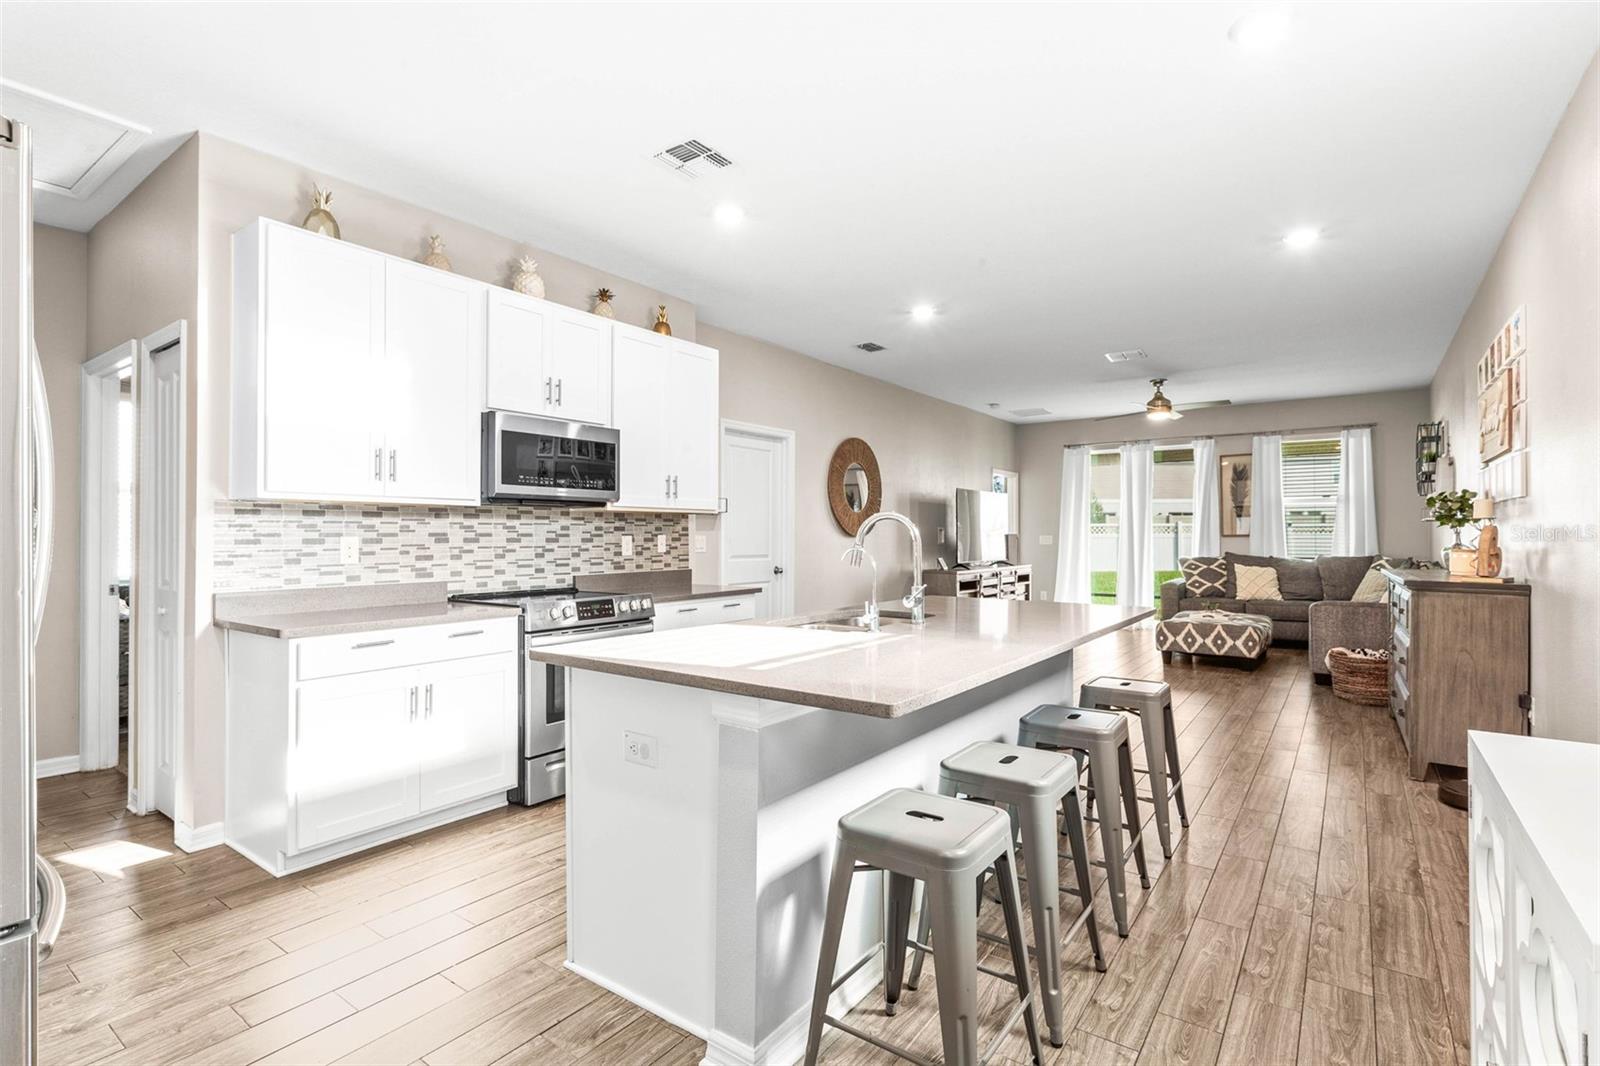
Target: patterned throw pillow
[(1203, 576), (1374, 588), (1257, 583)]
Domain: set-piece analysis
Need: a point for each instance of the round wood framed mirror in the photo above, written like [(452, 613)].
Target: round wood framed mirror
[(855, 488)]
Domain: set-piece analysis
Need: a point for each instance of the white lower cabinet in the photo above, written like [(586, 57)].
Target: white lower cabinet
[(685, 614), (322, 764)]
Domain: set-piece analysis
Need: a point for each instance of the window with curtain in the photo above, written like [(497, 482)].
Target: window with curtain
[(1171, 516), (1310, 494)]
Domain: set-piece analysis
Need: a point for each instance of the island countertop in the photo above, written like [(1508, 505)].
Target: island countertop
[(965, 643)]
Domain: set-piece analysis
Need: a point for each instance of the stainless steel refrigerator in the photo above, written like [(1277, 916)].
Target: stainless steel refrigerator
[(32, 901)]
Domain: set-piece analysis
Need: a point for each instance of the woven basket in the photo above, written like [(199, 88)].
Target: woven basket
[(1360, 675)]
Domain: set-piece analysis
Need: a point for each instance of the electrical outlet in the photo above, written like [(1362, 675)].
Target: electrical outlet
[(699, 542), (627, 545), (661, 544), (639, 748), (350, 551), (1045, 538)]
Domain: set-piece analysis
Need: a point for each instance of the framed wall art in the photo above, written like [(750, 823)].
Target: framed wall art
[(1233, 483)]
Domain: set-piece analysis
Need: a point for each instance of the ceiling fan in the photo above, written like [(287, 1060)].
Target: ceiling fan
[(1160, 408)]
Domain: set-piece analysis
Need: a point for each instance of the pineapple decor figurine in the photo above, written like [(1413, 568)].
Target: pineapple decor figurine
[(602, 304), (662, 326), (320, 219), (526, 280), (435, 256)]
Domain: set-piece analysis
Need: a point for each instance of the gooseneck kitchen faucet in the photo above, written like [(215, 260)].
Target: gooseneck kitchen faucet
[(913, 600)]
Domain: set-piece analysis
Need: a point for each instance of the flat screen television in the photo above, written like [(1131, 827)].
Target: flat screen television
[(982, 520)]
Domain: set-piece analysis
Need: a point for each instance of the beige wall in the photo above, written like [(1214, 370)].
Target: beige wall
[(1551, 537), (1400, 529), (143, 276), (926, 449), (61, 316)]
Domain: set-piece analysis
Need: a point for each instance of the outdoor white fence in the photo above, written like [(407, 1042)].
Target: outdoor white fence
[(1173, 539)]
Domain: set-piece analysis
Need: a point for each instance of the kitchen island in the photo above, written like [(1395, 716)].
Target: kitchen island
[(707, 771)]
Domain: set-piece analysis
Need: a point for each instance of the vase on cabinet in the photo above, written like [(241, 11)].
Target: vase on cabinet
[(526, 280), (662, 326), (435, 256), (319, 219), (602, 304), (1461, 560)]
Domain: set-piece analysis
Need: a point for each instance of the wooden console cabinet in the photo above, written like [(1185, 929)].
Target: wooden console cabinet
[(989, 582), (1458, 660)]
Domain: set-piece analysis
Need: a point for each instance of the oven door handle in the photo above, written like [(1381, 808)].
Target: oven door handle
[(534, 643)]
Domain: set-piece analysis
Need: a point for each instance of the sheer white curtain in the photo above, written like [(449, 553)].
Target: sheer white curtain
[(1207, 538), (1136, 576), (1355, 514), (1267, 535), (1072, 544)]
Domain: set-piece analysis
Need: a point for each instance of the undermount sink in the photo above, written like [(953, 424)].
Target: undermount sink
[(852, 624), (833, 627), (904, 616)]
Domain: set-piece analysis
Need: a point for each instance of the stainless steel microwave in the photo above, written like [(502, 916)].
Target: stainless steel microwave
[(548, 460)]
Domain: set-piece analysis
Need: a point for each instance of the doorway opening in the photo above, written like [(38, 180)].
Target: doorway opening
[(756, 535), (130, 709)]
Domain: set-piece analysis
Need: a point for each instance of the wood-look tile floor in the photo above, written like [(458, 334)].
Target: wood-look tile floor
[(1314, 912)]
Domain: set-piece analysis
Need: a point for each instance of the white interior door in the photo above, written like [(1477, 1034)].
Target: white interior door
[(160, 495), (757, 480), (102, 453)]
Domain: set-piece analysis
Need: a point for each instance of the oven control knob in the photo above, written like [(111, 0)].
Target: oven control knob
[(631, 605), (568, 611), (644, 604)]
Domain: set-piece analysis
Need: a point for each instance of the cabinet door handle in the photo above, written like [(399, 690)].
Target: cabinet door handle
[(427, 708), (370, 644), (668, 489), (467, 633), (674, 486), (392, 465), (413, 703), (377, 464), (558, 392), (730, 607), (547, 382), (687, 610)]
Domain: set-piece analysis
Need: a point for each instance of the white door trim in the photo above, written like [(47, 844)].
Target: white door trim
[(784, 603), (97, 716), (142, 797)]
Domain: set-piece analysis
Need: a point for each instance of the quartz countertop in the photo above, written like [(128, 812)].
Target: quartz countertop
[(328, 610), (665, 586), (965, 643)]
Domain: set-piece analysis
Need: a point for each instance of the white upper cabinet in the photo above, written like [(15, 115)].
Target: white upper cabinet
[(356, 375), (433, 330), (665, 404), (307, 341), (638, 411), (546, 359), (691, 400)]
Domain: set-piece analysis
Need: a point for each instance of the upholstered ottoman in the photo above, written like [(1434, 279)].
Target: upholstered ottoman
[(1242, 638)]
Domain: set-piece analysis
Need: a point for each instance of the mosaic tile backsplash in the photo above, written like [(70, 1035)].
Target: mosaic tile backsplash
[(475, 549)]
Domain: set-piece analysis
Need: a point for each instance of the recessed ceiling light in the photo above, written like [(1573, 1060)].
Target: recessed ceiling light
[(1302, 237), (1261, 30), (923, 313), (728, 215)]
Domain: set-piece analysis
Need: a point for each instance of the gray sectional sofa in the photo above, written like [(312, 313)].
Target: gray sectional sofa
[(1316, 607)]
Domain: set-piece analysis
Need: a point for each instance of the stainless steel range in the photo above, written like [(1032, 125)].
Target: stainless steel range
[(557, 616)]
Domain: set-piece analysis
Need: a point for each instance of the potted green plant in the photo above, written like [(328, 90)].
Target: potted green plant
[(1453, 511)]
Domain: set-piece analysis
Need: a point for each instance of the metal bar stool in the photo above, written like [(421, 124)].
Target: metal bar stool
[(1102, 737), (1152, 702), (948, 843), (1034, 784)]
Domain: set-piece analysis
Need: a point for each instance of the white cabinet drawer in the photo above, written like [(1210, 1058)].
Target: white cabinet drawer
[(383, 649), (686, 613)]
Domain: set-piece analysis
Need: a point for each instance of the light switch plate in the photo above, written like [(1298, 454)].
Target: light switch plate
[(639, 748), (627, 545), (699, 542), (350, 550), (1045, 538)]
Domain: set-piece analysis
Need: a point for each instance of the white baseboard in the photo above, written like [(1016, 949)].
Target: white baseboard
[(787, 1043), (670, 1017), (61, 764), (192, 838)]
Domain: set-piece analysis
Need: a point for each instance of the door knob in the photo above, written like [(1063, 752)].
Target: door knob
[(777, 569)]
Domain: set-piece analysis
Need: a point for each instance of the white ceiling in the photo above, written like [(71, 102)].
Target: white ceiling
[(1060, 180)]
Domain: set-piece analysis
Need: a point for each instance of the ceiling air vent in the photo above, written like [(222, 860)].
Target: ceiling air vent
[(692, 158), (1030, 412), (1126, 357), (871, 346)]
